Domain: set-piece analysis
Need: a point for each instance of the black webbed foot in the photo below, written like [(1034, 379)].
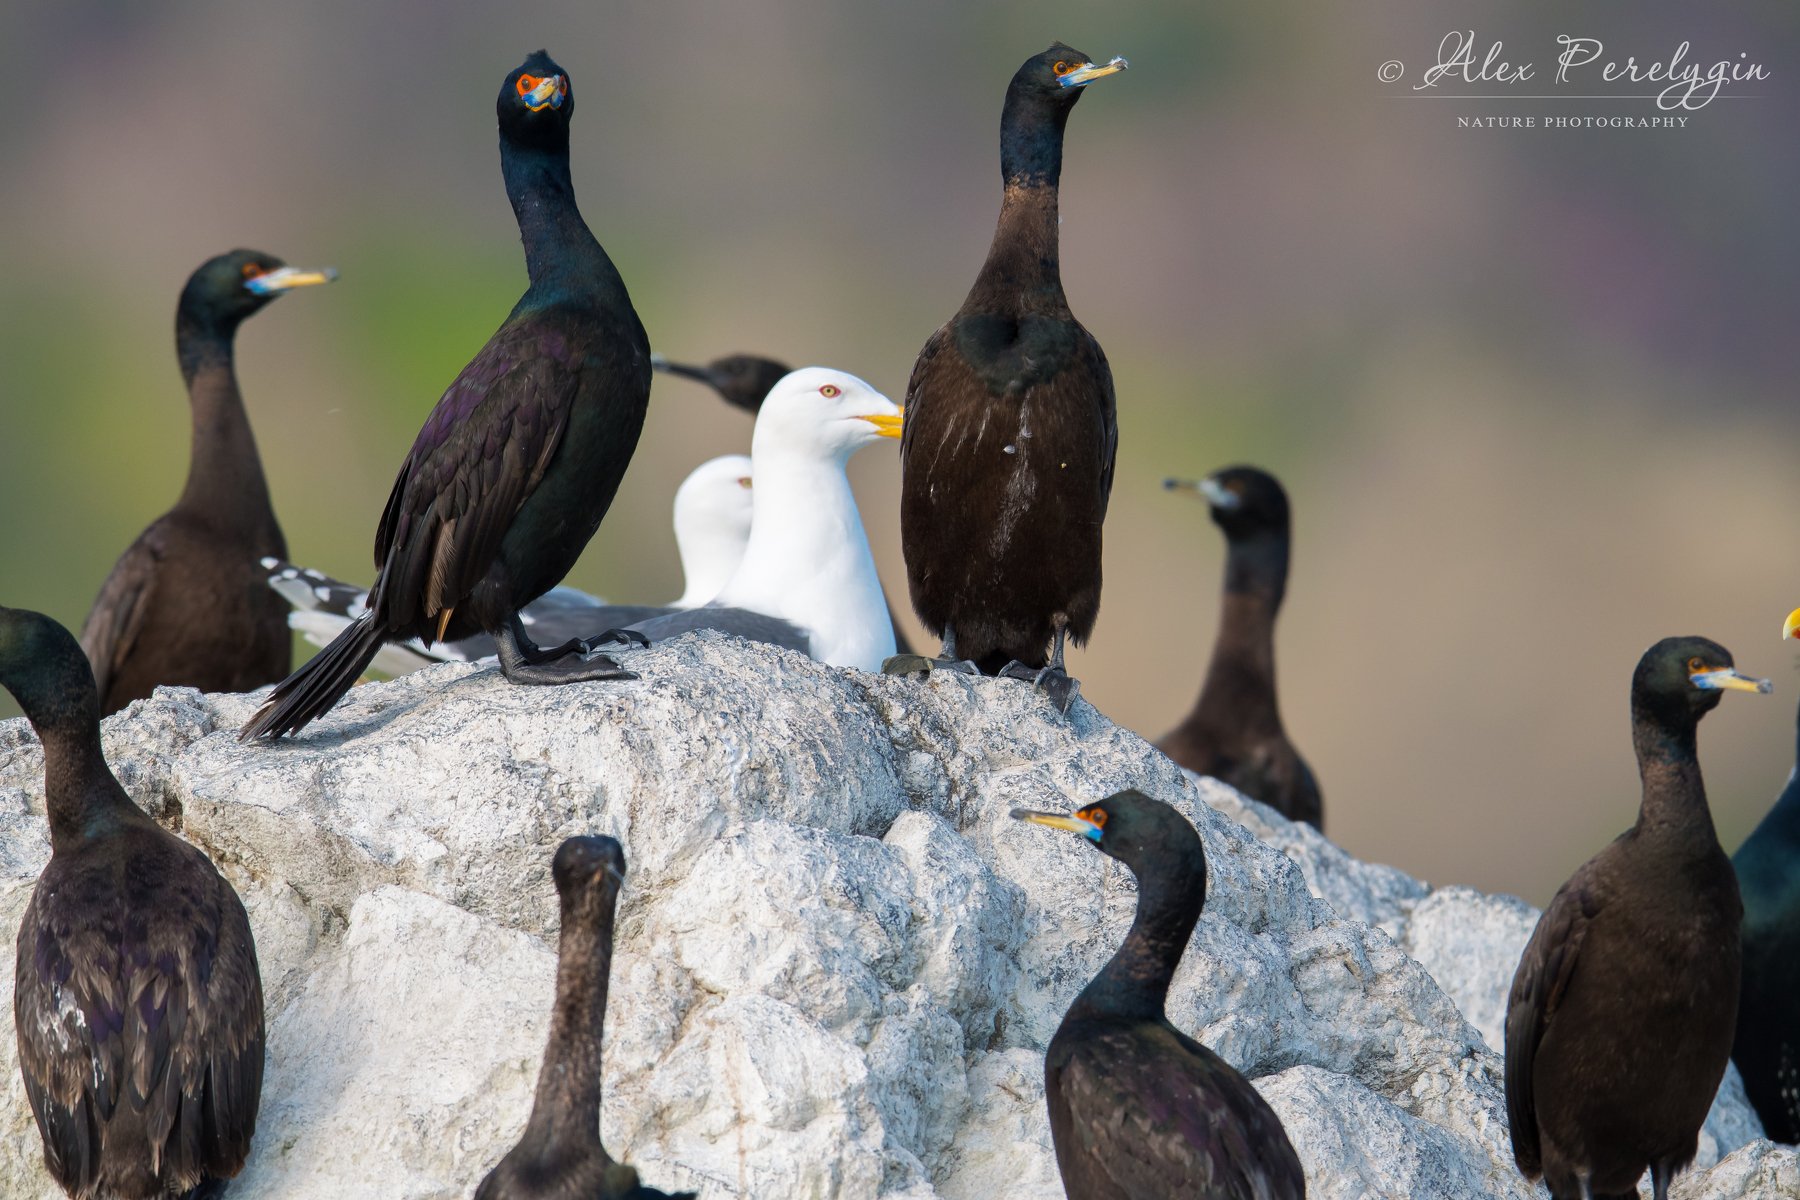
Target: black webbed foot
[(1053, 681), (614, 637), (524, 663), (918, 664)]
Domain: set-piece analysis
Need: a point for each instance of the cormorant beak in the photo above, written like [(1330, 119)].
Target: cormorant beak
[(1212, 491), (659, 363), (1725, 679), (1086, 73), (272, 283), (548, 93), (618, 876), (886, 424), (1073, 824), (1792, 626)]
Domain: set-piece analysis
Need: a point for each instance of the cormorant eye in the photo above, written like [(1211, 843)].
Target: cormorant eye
[(1062, 68), (831, 391), (1696, 666), (252, 270), (1096, 815), (526, 83)]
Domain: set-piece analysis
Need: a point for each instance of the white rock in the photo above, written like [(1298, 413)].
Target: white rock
[(838, 961)]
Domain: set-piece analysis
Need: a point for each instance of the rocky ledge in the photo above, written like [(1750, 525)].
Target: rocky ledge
[(839, 960)]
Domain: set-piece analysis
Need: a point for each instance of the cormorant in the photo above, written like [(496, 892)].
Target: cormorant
[(1234, 732), (712, 526), (742, 380), (136, 997), (1139, 1110), (1007, 457), (1619, 1024), (520, 459), (185, 605), (808, 564), (559, 1157), (1767, 1046)]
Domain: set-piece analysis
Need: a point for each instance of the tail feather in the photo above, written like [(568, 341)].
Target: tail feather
[(310, 692)]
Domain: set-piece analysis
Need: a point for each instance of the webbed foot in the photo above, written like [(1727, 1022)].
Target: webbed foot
[(615, 637), (1053, 681)]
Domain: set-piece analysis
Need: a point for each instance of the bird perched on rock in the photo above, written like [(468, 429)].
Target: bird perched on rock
[(185, 604), (136, 997), (559, 1156), (808, 569), (1619, 1024), (1234, 732), (742, 380), (1767, 1045), (712, 526), (520, 459), (1139, 1110), (1007, 458)]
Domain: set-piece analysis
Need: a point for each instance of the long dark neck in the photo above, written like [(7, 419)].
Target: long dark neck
[(564, 260), (83, 799), (566, 1110), (1240, 680), (1023, 271), (1135, 982), (225, 480), (1669, 765)]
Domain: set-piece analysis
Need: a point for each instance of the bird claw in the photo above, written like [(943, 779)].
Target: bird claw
[(572, 669), (1054, 682), (615, 637), (918, 664)]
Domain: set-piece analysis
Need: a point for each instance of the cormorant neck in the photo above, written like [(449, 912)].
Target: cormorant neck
[(1669, 765), (566, 1110), (225, 481), (563, 258), (1239, 691), (1031, 139), (1023, 271), (1135, 982)]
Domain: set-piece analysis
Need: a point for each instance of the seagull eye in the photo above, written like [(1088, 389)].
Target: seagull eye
[(1062, 68), (744, 481), (526, 83), (831, 391)]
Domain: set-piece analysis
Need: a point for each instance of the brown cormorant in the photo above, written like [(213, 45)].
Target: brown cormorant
[(185, 603), (1619, 1024), (1139, 1110), (1234, 732), (742, 380), (520, 459), (1767, 1046), (1007, 457), (136, 997), (559, 1156)]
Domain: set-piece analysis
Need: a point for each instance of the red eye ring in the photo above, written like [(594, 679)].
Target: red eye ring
[(831, 391), (526, 83), (1096, 815)]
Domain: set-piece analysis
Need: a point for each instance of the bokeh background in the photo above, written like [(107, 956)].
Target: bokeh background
[(1532, 391)]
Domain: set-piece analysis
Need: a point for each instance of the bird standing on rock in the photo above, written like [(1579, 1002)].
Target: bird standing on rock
[(520, 459), (1139, 1110), (560, 1156), (185, 604), (136, 996), (1619, 1024), (1234, 732), (1011, 429)]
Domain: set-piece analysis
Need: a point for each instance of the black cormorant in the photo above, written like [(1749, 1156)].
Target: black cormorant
[(1234, 732), (742, 380), (185, 604), (1139, 1110), (520, 459), (1007, 457), (1767, 1047), (1619, 1024), (559, 1156), (136, 997)]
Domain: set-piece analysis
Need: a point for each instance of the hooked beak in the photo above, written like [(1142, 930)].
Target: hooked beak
[(548, 93), (1073, 824), (886, 424), (1792, 626), (1211, 490), (272, 283), (1086, 73), (659, 363), (1728, 680)]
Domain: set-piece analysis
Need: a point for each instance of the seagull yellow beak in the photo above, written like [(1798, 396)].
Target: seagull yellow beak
[(886, 424), (282, 279), (1071, 823), (1086, 73), (1792, 626)]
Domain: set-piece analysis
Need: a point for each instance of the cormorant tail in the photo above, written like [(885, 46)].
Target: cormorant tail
[(310, 692)]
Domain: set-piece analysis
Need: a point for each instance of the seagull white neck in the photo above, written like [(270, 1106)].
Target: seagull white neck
[(709, 558)]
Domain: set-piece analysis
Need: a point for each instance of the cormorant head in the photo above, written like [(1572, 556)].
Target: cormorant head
[(1133, 828), (535, 105), (1681, 679), (1245, 502), (742, 379), (223, 291), (1038, 102), (43, 667), (583, 864), (823, 413), (1060, 73)]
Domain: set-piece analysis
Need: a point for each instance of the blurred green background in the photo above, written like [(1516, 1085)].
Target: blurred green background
[(1532, 391)]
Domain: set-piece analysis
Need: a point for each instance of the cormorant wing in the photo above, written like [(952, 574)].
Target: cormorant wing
[(1539, 985), (1161, 1115), (480, 455), (112, 625)]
